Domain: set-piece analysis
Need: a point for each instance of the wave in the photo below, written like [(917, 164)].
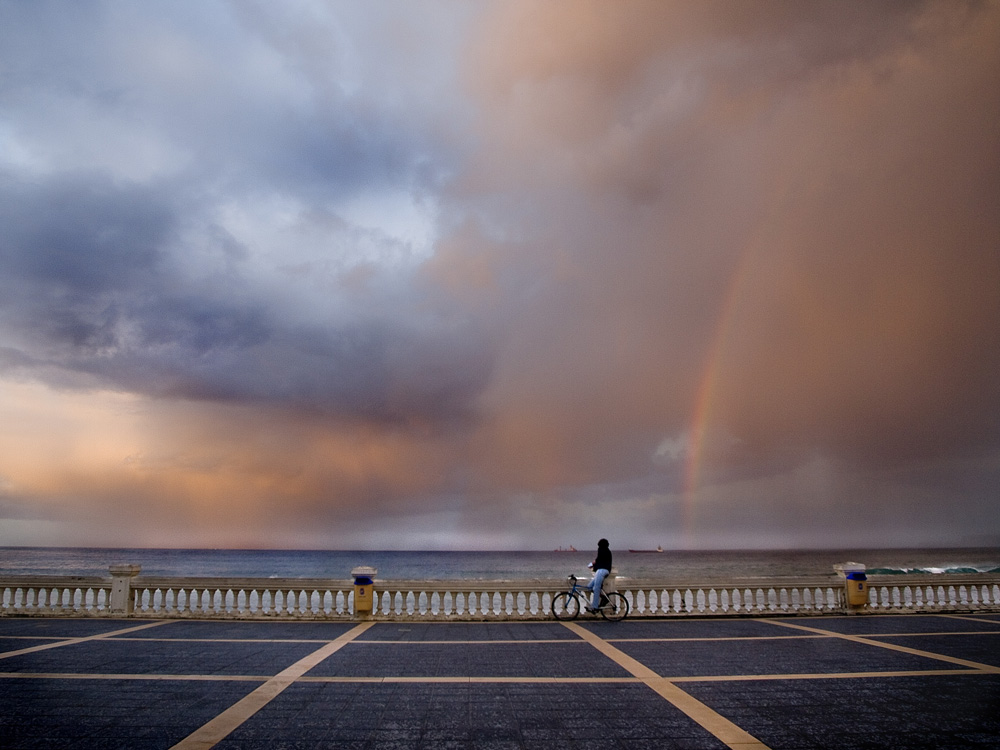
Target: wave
[(957, 569)]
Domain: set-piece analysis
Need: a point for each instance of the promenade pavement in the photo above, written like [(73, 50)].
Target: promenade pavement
[(911, 681)]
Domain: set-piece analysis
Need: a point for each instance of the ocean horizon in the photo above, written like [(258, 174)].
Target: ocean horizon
[(491, 564)]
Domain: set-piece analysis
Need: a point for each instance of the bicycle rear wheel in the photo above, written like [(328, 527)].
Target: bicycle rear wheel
[(565, 606), (617, 607)]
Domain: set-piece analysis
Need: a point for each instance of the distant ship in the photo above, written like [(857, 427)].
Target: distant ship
[(571, 549), (658, 549)]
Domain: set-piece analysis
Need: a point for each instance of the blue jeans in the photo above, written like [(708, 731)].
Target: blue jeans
[(595, 585)]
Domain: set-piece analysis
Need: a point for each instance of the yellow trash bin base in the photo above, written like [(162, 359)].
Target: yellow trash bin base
[(364, 589), (364, 597), (857, 593)]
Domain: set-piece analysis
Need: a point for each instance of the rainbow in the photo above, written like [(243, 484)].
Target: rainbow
[(703, 403)]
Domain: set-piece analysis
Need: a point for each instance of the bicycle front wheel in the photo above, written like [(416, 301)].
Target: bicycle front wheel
[(565, 606), (617, 607)]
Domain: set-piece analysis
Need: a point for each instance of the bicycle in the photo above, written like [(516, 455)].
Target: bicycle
[(566, 604)]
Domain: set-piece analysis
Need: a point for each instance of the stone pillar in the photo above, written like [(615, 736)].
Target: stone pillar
[(121, 588)]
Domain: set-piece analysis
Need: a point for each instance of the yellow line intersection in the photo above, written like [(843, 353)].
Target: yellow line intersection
[(893, 647), (732, 735)]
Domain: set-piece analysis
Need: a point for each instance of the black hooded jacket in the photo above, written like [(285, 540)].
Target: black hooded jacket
[(603, 559)]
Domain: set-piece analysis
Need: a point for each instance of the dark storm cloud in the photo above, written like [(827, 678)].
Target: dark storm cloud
[(98, 254), (233, 92), (80, 235), (87, 290), (126, 328), (382, 372)]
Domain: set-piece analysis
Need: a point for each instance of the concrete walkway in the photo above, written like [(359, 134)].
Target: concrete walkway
[(914, 681)]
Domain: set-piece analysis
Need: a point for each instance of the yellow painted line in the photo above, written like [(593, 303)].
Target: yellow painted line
[(823, 675), (222, 725), (367, 641), (377, 642), (132, 676), (894, 647), (804, 636), (33, 637), (972, 619), (71, 641), (934, 632), (466, 643), (473, 680), (530, 680), (721, 727), (226, 640), (478, 680)]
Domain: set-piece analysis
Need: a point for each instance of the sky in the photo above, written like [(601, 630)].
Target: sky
[(499, 275)]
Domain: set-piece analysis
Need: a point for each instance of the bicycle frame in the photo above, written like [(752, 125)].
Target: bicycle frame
[(579, 590), (566, 605)]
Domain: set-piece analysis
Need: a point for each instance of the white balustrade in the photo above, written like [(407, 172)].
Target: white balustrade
[(934, 594), (751, 597), (299, 599), (241, 598), (54, 595)]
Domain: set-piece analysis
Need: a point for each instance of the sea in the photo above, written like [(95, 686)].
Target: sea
[(490, 565)]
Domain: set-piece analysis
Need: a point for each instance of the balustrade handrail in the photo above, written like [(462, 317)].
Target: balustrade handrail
[(732, 583), (914, 579), (41, 580), (931, 579), (127, 593), (242, 582), (544, 583)]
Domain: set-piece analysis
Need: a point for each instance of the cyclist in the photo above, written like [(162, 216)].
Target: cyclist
[(601, 566)]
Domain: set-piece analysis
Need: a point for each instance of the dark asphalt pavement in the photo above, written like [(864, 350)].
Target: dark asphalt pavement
[(912, 681)]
